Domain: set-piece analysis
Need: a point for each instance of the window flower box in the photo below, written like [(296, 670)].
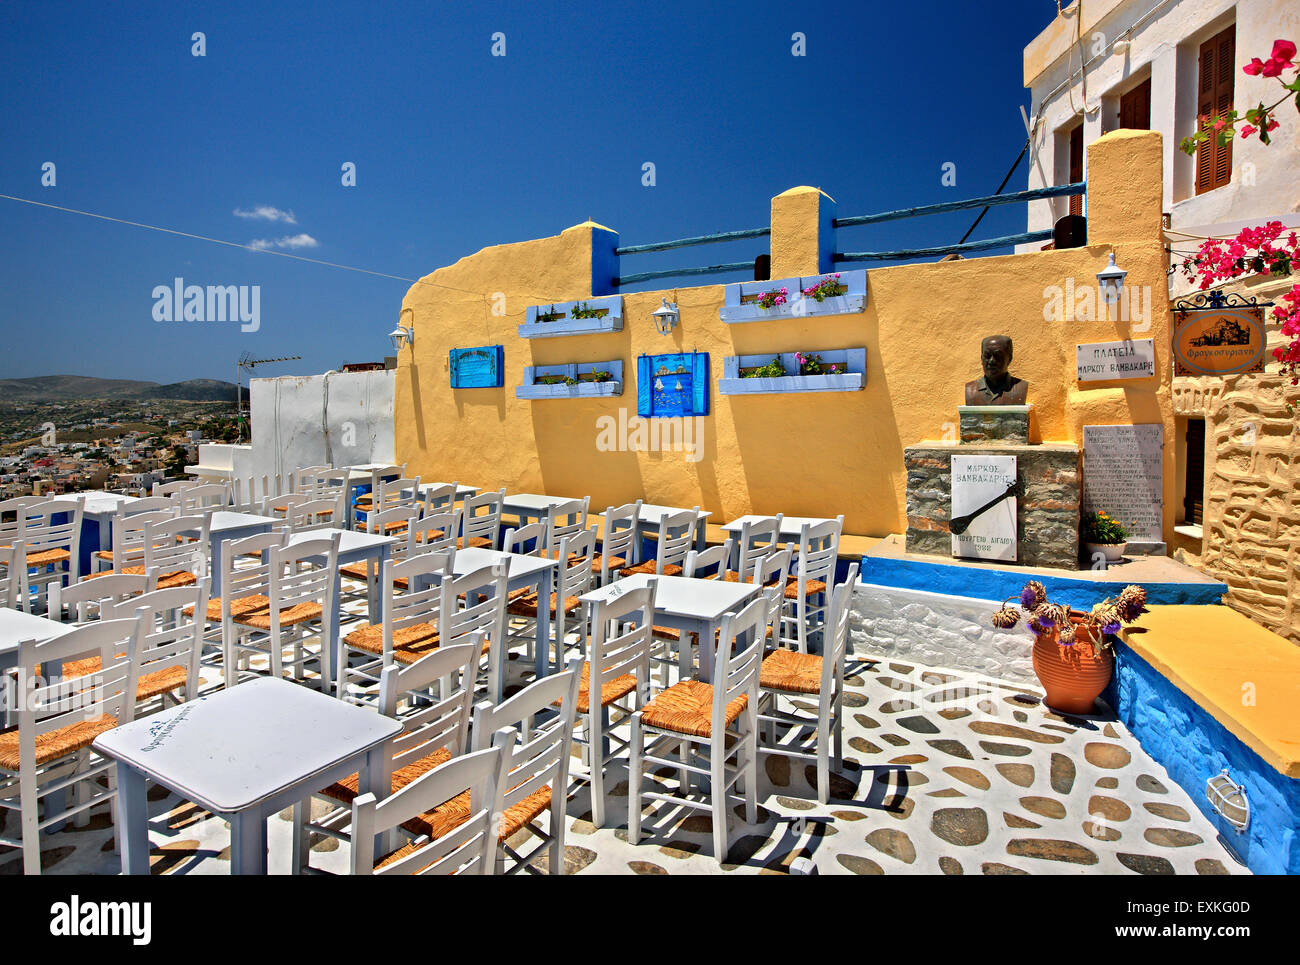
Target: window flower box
[(850, 377), (577, 380), (586, 316), (743, 302)]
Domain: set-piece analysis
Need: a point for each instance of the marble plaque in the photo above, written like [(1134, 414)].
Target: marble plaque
[(1132, 359), (1123, 475), (978, 481)]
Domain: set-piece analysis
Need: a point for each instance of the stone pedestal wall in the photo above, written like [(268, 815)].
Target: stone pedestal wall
[(1047, 524)]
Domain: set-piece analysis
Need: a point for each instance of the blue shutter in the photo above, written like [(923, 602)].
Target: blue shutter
[(455, 370), (499, 366), (644, 380), (700, 383)]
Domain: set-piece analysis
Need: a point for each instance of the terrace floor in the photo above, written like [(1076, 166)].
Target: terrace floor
[(944, 772)]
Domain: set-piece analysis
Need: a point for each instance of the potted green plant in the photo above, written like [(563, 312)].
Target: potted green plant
[(1072, 650), (1104, 535)]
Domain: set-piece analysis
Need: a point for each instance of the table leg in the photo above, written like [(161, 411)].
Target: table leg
[(331, 648), (214, 547), (701, 543), (247, 843), (374, 776), (708, 646), (132, 821), (543, 643)]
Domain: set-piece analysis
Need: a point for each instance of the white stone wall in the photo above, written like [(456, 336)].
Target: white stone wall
[(340, 419), (1166, 48), (937, 630)]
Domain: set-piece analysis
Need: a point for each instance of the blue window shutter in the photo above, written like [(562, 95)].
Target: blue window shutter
[(644, 378), (700, 383), (455, 373), (500, 365)]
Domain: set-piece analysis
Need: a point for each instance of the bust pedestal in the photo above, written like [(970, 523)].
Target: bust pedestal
[(994, 423)]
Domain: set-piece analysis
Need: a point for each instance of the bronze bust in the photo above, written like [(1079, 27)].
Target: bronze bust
[(998, 386)]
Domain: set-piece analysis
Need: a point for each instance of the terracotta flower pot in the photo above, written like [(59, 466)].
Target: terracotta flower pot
[(1072, 677), (1111, 552)]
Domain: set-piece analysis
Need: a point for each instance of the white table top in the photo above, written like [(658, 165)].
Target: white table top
[(533, 501), (349, 542), (790, 525), (474, 557), (652, 513), (224, 519), (461, 491), (98, 502), (681, 596), (17, 626), (234, 748)]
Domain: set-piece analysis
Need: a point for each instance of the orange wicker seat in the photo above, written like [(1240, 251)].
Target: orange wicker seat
[(792, 672), (615, 562), (346, 789), (255, 611), (523, 812), (104, 555), (811, 587), (359, 571), (54, 744), (409, 643), (427, 535), (447, 816), (480, 542), (687, 708), (526, 606), (611, 691), (147, 686), (649, 567), (166, 581), (46, 557)]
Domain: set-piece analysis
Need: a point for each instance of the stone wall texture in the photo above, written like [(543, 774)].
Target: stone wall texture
[(1047, 525), (937, 630)]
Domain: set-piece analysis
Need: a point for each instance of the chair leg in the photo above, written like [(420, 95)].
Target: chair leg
[(595, 756), (683, 775), (558, 821), (82, 790), (751, 767), (31, 823), (635, 750), (824, 741), (718, 777)]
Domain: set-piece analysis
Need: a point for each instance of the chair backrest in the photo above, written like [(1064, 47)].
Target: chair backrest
[(712, 562), (433, 532), (128, 533), (430, 724), (621, 537), (147, 504), (740, 655), (676, 538), (48, 705), (622, 640), (575, 553), (303, 572), (527, 540), (249, 494), (176, 486), (438, 498), (176, 545), (565, 519), (468, 846), (818, 551), (459, 621), (398, 491), (482, 516), (835, 647), (397, 518), (322, 482), (326, 512), (772, 569), (13, 574), (199, 498), (52, 524), (383, 474), (541, 757), (758, 538), (89, 598), (248, 579), (170, 639), (420, 602)]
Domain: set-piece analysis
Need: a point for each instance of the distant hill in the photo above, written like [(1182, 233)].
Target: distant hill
[(68, 387)]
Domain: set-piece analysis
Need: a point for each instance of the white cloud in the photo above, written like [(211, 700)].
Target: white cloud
[(303, 240), (265, 212)]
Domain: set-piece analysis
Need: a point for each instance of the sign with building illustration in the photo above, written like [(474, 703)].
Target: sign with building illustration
[(984, 507), (1225, 341), (476, 368), (673, 385), (1123, 476), (1103, 361)]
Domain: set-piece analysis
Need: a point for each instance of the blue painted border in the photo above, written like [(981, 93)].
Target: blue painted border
[(699, 403), (531, 390), (1192, 746), (497, 367), (797, 306), (987, 584), (854, 360), (613, 322)]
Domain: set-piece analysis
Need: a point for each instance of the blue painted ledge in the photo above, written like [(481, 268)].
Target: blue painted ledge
[(733, 311), (986, 584), (611, 321), (531, 389), (1192, 746), (852, 362)]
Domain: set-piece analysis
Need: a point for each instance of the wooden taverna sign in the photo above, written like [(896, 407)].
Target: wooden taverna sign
[(1221, 336)]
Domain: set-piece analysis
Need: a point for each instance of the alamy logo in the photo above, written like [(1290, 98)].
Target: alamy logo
[(180, 302), (75, 918), (638, 434)]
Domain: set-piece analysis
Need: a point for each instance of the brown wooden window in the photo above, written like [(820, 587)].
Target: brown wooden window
[(1076, 167), (1194, 490), (1135, 108), (1214, 97)]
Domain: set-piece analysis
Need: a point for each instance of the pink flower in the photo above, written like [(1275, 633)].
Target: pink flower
[(1254, 68), (1283, 52), (1247, 130), (1272, 68)]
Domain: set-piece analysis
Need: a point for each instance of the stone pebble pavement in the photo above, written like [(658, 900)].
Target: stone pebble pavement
[(945, 772)]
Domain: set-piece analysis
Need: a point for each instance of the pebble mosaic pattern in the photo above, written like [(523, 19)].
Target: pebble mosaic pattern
[(945, 772)]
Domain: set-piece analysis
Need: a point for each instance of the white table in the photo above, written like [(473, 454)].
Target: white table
[(244, 754), (97, 517), (652, 515), (524, 572), (462, 492), (226, 526), (531, 506), (791, 526), (368, 548), (17, 626), (688, 605)]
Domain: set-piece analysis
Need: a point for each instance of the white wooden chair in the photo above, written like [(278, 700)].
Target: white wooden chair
[(692, 712), (408, 631), (327, 512), (812, 572), (565, 519), (128, 538), (529, 540), (459, 801), (198, 499), (433, 532), (176, 486), (87, 600), (300, 599), (175, 551), (620, 543), (572, 580), (476, 603), (58, 719), (387, 493), (758, 538), (538, 772), (710, 563), (50, 532), (797, 677), (13, 578), (676, 540), (481, 520), (435, 729), (440, 499), (617, 672)]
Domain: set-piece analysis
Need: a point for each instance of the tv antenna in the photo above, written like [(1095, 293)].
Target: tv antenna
[(246, 361)]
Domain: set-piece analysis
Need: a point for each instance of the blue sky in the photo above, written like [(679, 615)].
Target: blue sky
[(455, 149)]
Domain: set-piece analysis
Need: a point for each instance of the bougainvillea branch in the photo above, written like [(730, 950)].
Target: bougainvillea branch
[(1260, 120)]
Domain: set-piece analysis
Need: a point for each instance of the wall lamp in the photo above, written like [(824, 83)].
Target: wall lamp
[(1111, 281), (665, 316)]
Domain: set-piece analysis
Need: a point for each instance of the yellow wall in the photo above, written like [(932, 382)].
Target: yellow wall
[(801, 454)]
